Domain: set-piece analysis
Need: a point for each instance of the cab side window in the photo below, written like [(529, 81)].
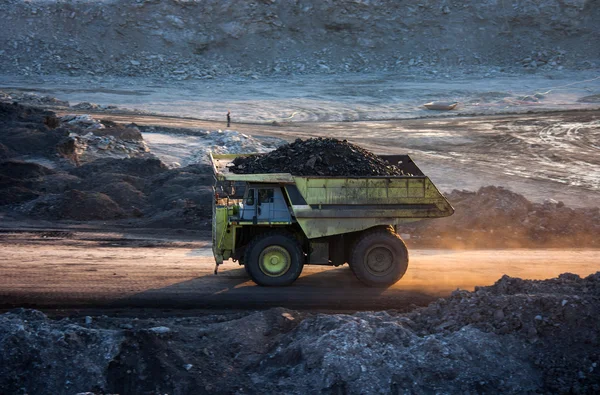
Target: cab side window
[(265, 196)]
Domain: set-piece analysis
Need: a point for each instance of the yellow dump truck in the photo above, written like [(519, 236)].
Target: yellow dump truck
[(276, 223)]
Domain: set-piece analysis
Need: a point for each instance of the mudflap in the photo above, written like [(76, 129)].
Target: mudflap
[(218, 262)]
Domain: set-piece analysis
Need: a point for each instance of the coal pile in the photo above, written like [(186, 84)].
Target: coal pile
[(317, 157)]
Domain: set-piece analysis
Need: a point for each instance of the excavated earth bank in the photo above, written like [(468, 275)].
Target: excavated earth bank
[(185, 39)]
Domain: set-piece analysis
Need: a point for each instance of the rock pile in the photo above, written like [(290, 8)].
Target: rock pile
[(27, 131), (552, 58), (516, 336), (555, 322), (317, 156)]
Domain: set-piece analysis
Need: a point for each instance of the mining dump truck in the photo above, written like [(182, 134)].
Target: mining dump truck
[(273, 224)]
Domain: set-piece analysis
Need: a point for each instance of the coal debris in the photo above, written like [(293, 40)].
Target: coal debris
[(317, 157)]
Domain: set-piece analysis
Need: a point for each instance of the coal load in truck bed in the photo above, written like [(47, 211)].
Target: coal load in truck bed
[(317, 157)]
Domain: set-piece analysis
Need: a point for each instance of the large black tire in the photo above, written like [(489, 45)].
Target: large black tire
[(379, 258), (274, 259)]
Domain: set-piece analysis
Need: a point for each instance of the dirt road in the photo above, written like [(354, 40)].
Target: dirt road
[(69, 270)]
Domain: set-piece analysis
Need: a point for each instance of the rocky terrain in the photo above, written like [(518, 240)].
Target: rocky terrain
[(191, 39), (516, 336)]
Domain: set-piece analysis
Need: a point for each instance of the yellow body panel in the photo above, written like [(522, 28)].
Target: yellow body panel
[(223, 234), (361, 191), (337, 205)]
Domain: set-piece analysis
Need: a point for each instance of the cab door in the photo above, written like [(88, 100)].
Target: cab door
[(271, 206), (265, 202), (248, 211)]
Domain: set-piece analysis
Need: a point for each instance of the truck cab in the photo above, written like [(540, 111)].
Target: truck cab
[(264, 204)]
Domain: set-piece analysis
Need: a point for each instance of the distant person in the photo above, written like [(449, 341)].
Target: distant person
[(228, 118)]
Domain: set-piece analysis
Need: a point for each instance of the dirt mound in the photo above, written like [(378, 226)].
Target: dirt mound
[(124, 194), (497, 217), (5, 152), (101, 179), (381, 353), (555, 319), (181, 197), (16, 195), (14, 113), (317, 156), (18, 181), (28, 130), (118, 178), (23, 170), (32, 140), (177, 198), (57, 183), (490, 207), (138, 167), (517, 336), (514, 337), (75, 205)]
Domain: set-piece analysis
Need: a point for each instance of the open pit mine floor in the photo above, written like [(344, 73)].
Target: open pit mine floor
[(107, 271), (551, 155)]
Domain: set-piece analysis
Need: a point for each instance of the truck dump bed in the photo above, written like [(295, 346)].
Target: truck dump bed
[(325, 206)]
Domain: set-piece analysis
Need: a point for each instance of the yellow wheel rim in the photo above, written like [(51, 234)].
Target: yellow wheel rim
[(379, 260), (274, 261)]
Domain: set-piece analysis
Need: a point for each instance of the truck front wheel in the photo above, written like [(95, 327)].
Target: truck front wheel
[(274, 259), (379, 258)]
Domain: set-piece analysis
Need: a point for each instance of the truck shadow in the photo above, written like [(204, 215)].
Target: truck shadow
[(333, 289)]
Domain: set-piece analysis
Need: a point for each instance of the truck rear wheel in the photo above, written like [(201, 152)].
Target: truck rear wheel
[(379, 258), (274, 259)]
